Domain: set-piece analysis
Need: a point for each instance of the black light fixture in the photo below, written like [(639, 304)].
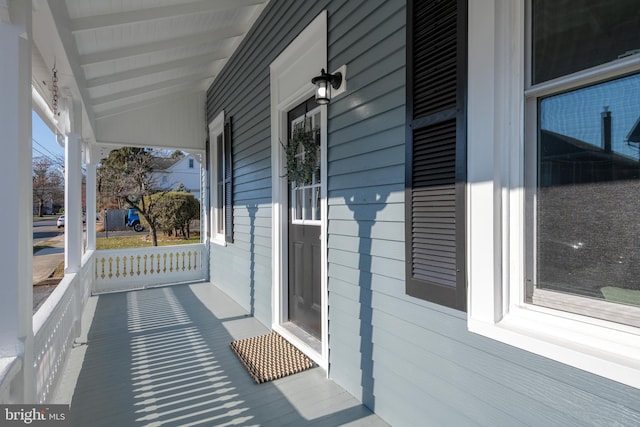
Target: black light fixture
[(324, 83)]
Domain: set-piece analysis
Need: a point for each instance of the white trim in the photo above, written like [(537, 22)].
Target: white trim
[(73, 188), (216, 127), (43, 110), (290, 79), (496, 211), (307, 222), (601, 72), (5, 11), (343, 85)]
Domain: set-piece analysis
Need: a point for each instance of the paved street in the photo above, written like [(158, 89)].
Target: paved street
[(45, 229), (46, 260)]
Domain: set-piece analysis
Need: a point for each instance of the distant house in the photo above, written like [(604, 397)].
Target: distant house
[(169, 173)]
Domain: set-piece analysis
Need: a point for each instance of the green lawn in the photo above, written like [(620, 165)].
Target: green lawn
[(122, 242), (38, 218), (137, 241)]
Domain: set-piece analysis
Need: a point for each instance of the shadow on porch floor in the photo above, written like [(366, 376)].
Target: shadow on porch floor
[(161, 357)]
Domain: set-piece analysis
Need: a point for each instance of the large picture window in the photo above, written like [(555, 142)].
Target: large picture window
[(554, 181), (584, 161)]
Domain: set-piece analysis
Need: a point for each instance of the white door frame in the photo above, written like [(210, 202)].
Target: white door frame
[(290, 79)]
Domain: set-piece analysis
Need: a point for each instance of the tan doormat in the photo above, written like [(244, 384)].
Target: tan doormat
[(269, 357)]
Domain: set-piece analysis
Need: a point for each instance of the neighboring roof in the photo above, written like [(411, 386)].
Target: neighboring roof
[(634, 134), (562, 147), (163, 163)]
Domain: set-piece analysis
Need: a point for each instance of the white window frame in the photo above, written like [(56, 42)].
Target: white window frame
[(315, 185), (216, 128), (496, 208)]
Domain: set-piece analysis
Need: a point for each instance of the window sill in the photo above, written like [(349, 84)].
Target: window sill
[(620, 313), (219, 240), (306, 222), (610, 351)]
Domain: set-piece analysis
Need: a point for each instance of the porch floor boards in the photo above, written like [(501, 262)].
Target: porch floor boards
[(161, 357)]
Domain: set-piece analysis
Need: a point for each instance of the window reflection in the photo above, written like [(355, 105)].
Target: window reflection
[(588, 197), (574, 35)]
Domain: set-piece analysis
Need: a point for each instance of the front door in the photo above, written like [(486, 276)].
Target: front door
[(304, 221)]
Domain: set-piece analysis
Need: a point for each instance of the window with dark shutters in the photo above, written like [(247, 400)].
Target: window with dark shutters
[(436, 151), (228, 182)]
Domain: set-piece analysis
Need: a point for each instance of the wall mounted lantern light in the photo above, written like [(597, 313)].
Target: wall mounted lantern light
[(324, 82)]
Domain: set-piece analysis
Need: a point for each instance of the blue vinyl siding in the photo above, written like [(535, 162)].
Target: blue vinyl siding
[(411, 361)]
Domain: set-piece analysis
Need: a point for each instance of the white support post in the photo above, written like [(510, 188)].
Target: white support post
[(5, 15), (16, 286), (91, 198), (73, 191)]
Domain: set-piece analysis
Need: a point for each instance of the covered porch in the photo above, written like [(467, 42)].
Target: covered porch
[(114, 340), (161, 356)]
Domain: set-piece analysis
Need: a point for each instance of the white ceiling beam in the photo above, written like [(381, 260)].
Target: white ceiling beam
[(146, 102), (164, 12), (182, 81), (61, 20), (213, 58), (141, 49)]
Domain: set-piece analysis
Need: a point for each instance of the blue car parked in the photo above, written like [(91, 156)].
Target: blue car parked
[(133, 220)]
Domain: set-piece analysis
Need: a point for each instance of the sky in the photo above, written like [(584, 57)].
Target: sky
[(578, 113), (44, 141)]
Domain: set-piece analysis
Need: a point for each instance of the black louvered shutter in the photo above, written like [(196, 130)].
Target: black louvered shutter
[(228, 182), (436, 150)]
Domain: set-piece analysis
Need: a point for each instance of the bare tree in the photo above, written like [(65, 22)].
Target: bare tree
[(126, 175), (48, 184)]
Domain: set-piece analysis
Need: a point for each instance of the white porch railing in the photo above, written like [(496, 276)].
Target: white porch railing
[(9, 369), (127, 269), (56, 324)]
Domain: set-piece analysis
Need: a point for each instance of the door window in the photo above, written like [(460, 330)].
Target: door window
[(305, 196)]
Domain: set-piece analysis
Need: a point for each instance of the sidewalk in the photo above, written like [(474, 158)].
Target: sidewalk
[(45, 262)]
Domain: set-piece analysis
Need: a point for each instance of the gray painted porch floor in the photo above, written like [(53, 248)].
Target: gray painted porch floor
[(161, 357)]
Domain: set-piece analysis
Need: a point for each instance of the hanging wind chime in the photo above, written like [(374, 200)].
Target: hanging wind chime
[(54, 91)]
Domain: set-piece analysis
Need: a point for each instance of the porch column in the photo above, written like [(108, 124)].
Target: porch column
[(90, 160), (73, 191), (205, 209), (16, 286)]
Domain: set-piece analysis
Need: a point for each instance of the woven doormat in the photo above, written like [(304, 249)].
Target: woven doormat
[(269, 357)]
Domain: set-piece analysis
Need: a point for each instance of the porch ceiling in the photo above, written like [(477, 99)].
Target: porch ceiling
[(122, 56)]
